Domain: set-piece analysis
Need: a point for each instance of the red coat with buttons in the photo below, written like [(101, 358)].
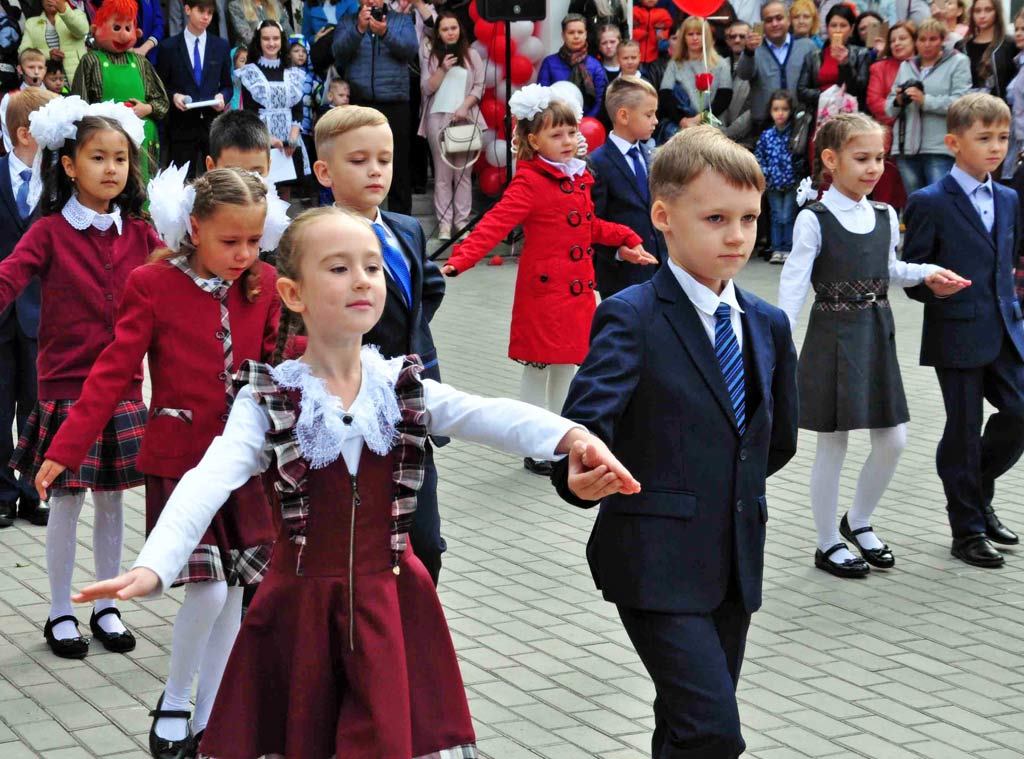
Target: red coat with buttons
[(554, 299), (164, 315)]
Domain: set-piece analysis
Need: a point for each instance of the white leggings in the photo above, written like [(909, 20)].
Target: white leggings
[(547, 387)]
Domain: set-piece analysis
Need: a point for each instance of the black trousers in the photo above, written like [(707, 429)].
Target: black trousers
[(18, 354), (191, 149), (399, 119), (425, 534), (694, 661), (969, 460)]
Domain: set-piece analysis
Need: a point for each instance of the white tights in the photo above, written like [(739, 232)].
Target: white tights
[(204, 632), (886, 446), (547, 387), (61, 542)]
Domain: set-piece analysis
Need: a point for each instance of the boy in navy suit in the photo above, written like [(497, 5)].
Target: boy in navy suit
[(20, 322), (356, 159), (620, 168), (974, 339), (197, 65), (691, 382)]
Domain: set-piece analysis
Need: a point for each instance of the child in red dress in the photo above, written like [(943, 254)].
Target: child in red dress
[(345, 650), (200, 310)]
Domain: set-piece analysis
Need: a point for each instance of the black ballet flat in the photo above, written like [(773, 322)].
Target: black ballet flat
[(67, 648), (850, 568), (161, 748), (876, 557), (119, 643)]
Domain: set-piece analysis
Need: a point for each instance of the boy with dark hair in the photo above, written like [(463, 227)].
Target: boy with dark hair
[(54, 79), (239, 139)]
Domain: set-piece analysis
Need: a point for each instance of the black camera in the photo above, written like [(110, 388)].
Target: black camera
[(902, 87), (379, 13)]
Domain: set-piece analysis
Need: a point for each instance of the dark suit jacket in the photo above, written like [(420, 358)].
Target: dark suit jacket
[(967, 329), (26, 308), (652, 389), (174, 66), (617, 198)]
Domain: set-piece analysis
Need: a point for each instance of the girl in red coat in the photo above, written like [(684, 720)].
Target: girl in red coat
[(550, 196), (198, 311), (92, 235)]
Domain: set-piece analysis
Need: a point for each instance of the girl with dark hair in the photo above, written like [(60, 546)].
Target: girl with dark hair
[(990, 50)]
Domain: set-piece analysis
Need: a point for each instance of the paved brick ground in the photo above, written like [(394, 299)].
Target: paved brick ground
[(922, 661)]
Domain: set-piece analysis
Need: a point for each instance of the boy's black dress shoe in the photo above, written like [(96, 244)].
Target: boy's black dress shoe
[(66, 648), (537, 466), (976, 551), (850, 568), (161, 748), (33, 510), (119, 643), (996, 531), (8, 510), (876, 557)]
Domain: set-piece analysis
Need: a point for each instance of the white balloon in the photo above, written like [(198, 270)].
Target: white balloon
[(493, 73), (521, 30), (481, 49), (531, 47), (489, 136), (496, 155), (568, 92)]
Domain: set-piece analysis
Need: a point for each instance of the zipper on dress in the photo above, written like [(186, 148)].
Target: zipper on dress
[(356, 500)]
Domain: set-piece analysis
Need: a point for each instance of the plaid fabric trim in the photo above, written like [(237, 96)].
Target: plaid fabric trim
[(409, 455), (838, 296), (175, 413), (466, 751), (205, 564)]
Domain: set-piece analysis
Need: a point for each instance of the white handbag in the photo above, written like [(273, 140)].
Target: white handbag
[(459, 139)]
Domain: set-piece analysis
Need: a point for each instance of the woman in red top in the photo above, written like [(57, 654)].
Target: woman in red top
[(198, 311), (550, 196), (900, 46), (92, 235)]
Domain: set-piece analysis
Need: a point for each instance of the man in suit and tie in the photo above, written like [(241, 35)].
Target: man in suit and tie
[(194, 66), (621, 193), (356, 151), (691, 382), (19, 323), (975, 338)]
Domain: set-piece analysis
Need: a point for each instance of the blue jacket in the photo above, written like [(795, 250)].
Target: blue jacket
[(12, 227), (965, 330), (773, 153), (652, 390), (553, 69), (377, 68), (151, 23), (314, 19)]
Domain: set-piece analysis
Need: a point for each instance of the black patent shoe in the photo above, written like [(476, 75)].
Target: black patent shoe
[(33, 511), (8, 509), (65, 648), (850, 568), (196, 740), (161, 748), (977, 551), (537, 466), (996, 531), (119, 643), (876, 557)]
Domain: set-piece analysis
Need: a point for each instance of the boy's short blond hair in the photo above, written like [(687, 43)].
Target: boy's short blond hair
[(627, 92), (22, 104), (627, 44), (342, 119), (695, 150), (977, 106), (30, 53)]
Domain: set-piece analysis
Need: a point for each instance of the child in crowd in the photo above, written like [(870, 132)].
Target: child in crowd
[(310, 86), (651, 26), (89, 239), (239, 57), (239, 140), (782, 172), (32, 70), (974, 339), (19, 322), (550, 195), (609, 37), (621, 194), (60, 30), (345, 651), (213, 236), (690, 380), (849, 376), (338, 93), (627, 56), (54, 79)]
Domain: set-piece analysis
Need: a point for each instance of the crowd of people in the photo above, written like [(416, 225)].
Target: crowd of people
[(152, 193)]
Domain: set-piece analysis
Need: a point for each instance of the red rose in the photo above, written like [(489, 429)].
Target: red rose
[(704, 81)]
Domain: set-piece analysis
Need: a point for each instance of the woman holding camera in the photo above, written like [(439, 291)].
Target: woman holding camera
[(924, 88), (452, 83)]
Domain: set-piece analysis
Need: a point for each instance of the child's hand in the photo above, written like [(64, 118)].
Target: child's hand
[(582, 148), (945, 283), (48, 472), (636, 255), (594, 473), (449, 271), (132, 584)]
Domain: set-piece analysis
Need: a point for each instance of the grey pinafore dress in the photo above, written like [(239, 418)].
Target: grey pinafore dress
[(848, 375)]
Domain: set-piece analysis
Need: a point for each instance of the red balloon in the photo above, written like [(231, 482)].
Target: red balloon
[(500, 129), (593, 130), (702, 8), (484, 31), (496, 48), (521, 70), (473, 12), (492, 110), (492, 179)]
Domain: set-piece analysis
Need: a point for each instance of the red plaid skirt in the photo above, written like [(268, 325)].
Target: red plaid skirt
[(110, 462)]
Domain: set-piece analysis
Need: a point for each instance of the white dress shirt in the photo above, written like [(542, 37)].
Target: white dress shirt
[(857, 216), (705, 302), (190, 44), (981, 195), (624, 148)]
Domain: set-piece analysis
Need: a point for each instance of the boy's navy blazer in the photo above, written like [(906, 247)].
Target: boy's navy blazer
[(12, 227), (967, 329), (617, 198), (652, 389), (174, 66)]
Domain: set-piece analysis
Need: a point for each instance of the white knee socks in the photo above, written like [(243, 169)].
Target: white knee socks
[(547, 387), (61, 541), (886, 446), (107, 542), (215, 658)]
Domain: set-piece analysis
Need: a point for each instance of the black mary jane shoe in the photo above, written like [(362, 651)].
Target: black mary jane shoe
[(876, 557), (537, 466), (161, 748), (998, 532), (65, 648), (8, 510), (850, 568), (119, 643)]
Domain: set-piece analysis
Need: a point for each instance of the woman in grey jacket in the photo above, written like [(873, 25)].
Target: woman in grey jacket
[(939, 77)]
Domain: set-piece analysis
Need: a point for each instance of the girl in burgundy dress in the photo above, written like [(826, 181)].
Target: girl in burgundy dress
[(204, 306), (345, 650)]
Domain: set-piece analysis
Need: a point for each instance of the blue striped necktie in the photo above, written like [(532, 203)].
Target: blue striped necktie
[(396, 263), (730, 359)]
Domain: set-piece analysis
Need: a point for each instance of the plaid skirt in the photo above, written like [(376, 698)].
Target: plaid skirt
[(110, 462)]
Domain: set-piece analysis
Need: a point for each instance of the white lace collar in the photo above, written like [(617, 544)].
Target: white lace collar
[(81, 218), (270, 63), (324, 426)]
